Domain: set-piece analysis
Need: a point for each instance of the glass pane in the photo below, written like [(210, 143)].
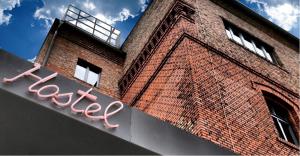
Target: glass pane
[(280, 112), (92, 78), (278, 128), (249, 45), (268, 56), (228, 34), (236, 37), (260, 52), (79, 72), (288, 132)]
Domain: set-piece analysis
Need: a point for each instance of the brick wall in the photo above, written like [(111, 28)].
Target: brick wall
[(71, 44), (181, 68), (198, 80), (143, 29), (211, 31)]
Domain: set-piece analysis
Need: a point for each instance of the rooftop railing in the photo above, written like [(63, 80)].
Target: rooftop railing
[(93, 26)]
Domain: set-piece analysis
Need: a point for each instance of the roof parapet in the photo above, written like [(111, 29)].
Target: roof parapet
[(93, 26)]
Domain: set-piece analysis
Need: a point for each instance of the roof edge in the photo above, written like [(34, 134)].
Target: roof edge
[(247, 11)]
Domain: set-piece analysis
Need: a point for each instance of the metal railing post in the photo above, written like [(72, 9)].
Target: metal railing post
[(83, 25)]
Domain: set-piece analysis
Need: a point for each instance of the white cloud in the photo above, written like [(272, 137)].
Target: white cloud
[(89, 5), (62, 10), (143, 4), (32, 59), (100, 9), (123, 15), (284, 13), (106, 19), (44, 14), (6, 5)]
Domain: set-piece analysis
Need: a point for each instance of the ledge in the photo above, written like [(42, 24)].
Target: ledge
[(261, 58), (288, 144), (178, 10)]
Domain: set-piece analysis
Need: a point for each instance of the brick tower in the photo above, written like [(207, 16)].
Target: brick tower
[(213, 68)]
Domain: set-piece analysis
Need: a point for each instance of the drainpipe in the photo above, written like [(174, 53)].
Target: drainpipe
[(49, 49)]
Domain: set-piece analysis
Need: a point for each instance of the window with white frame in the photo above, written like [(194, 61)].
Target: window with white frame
[(244, 39), (281, 118), (87, 72)]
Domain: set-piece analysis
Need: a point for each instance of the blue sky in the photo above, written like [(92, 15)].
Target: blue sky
[(24, 23)]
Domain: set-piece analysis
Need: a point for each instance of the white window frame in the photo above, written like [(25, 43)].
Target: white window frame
[(265, 52), (86, 74), (244, 44), (240, 35), (279, 121)]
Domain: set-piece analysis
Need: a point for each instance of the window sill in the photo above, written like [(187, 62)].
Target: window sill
[(85, 82), (247, 49), (288, 144)]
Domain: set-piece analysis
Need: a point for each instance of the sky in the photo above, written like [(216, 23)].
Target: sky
[(24, 24)]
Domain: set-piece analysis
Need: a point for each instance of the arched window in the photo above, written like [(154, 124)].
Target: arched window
[(281, 117)]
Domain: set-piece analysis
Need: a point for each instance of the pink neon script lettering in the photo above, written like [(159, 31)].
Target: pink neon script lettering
[(88, 111), (106, 123), (48, 95), (43, 80), (26, 73), (83, 94), (69, 95)]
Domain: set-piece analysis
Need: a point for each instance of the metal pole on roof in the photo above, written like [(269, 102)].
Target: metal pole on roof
[(49, 49), (64, 17)]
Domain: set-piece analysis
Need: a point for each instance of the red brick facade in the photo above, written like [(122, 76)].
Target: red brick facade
[(210, 86), (184, 70), (71, 44)]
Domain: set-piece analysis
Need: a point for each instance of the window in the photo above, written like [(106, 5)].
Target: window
[(281, 118), (236, 36), (259, 50), (249, 42), (87, 72)]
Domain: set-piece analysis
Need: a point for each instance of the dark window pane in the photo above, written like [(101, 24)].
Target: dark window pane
[(280, 116), (281, 112), (289, 133)]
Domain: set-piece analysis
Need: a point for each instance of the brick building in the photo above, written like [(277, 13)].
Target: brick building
[(213, 68)]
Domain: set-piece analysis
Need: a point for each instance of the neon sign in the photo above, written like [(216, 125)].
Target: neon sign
[(55, 96)]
